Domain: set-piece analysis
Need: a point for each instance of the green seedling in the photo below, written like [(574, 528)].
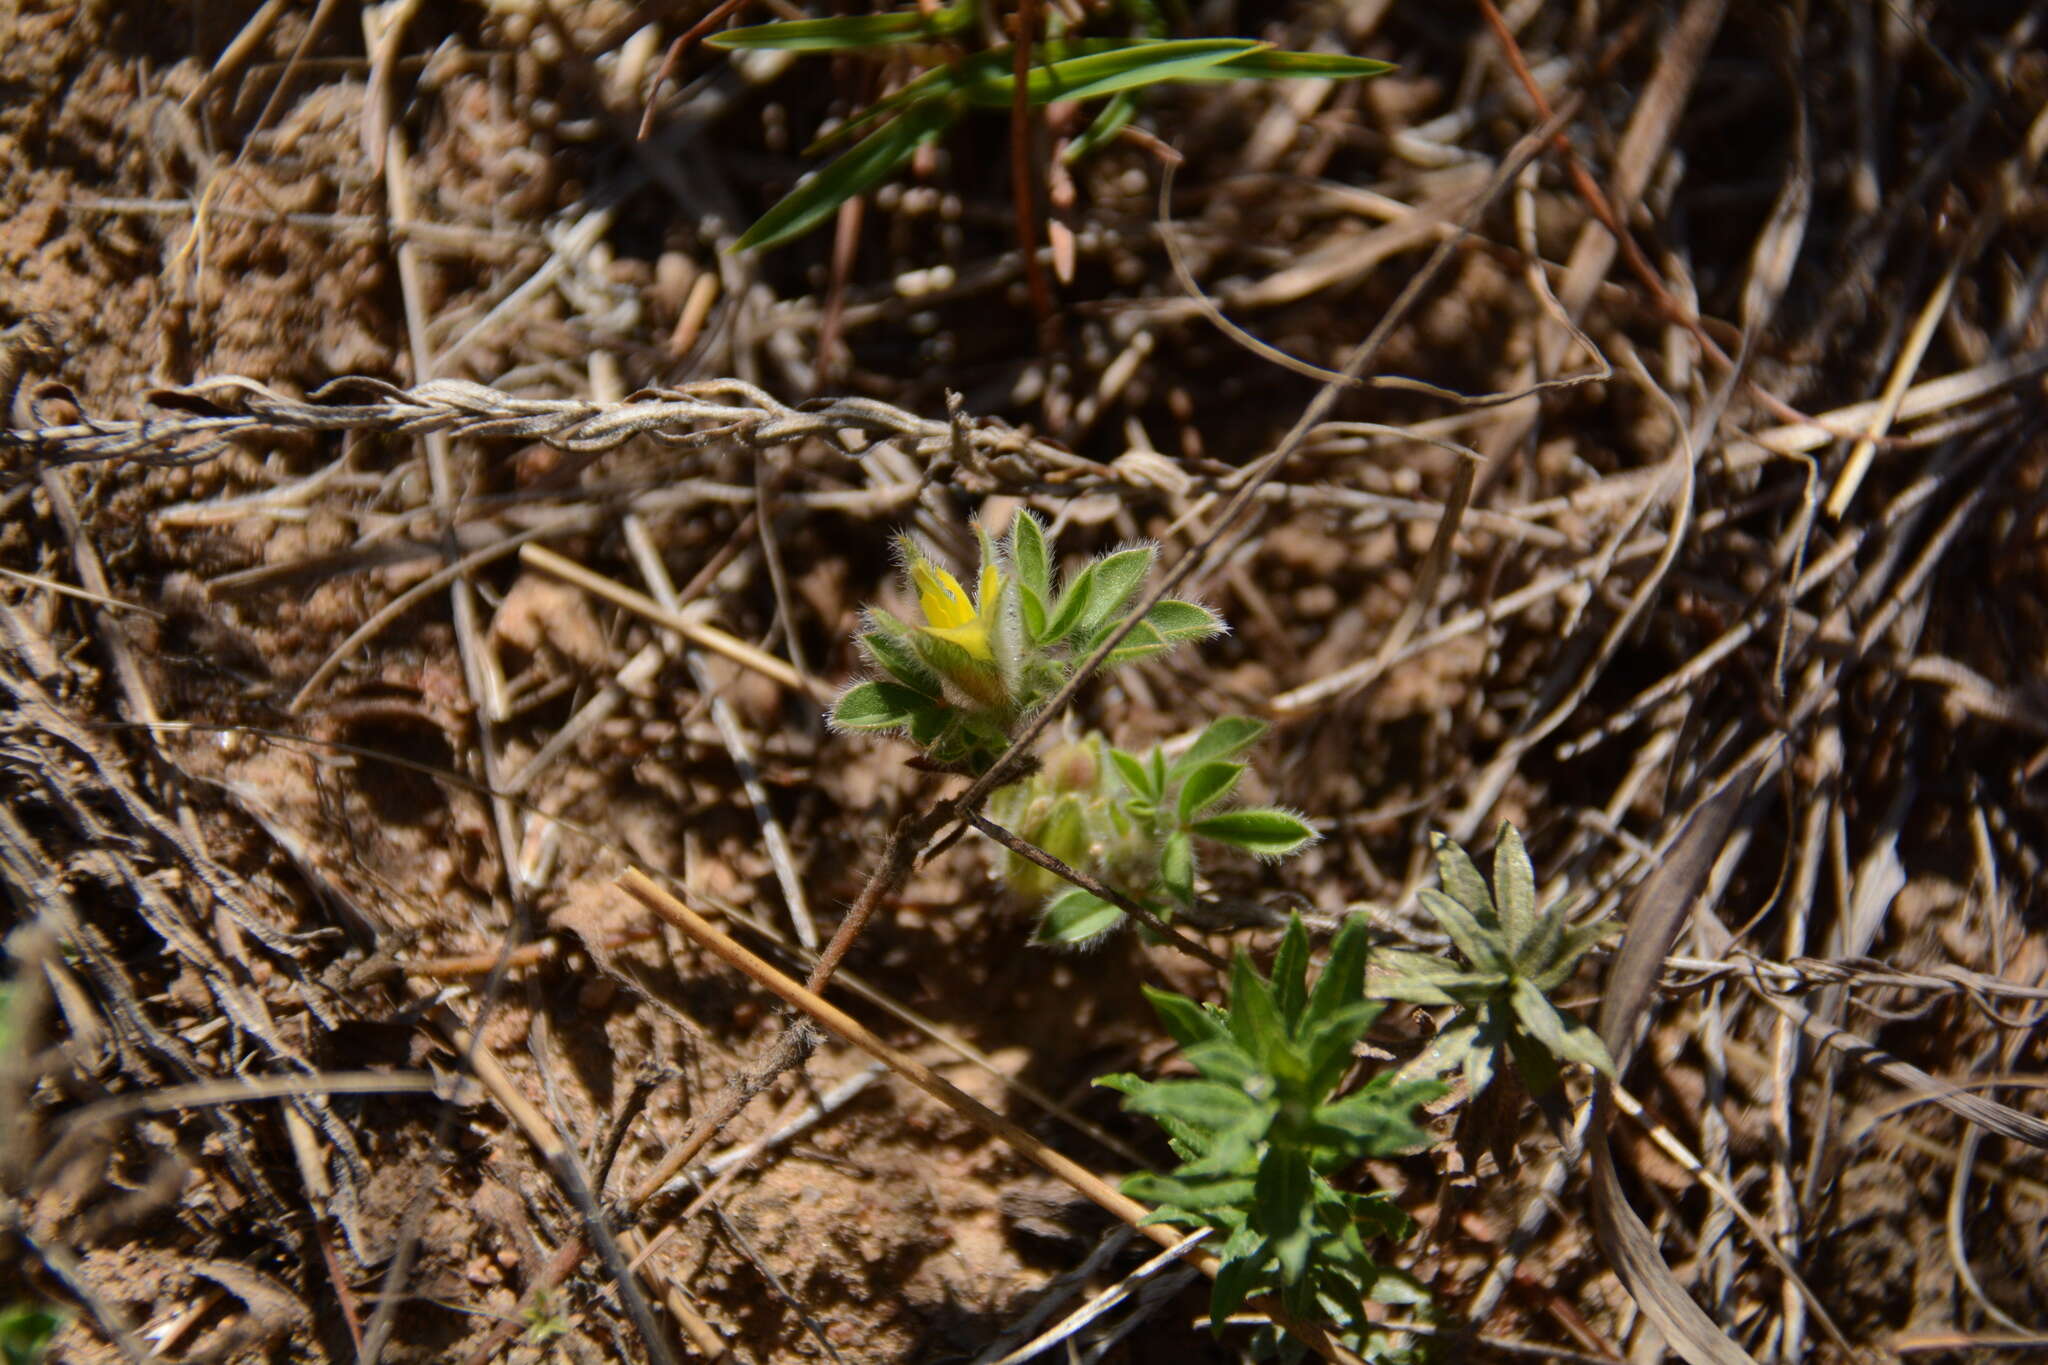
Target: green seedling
[(1137, 823), (1064, 69), (26, 1330), (1263, 1138), (1514, 958), (959, 681)]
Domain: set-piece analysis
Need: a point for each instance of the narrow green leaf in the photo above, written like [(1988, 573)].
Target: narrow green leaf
[(1114, 117), (1379, 1120), (856, 31), (1282, 1210), (1177, 867), (1446, 1052), (1221, 1059), (1534, 1061), (1577, 941), (1167, 1192), (1328, 1040), (1066, 617), (1100, 73), (1479, 942), (1031, 605), (1342, 982), (1563, 1037), (1537, 949), (1141, 643), (1461, 879), (870, 162), (1483, 1056), (1420, 979), (1075, 916), (1514, 886), (1029, 553), (934, 84), (1137, 777), (1225, 737), (1270, 64), (1243, 1259), (1255, 1019), (1205, 786), (878, 706), (1187, 1021), (1290, 974), (1117, 577), (1204, 1104), (1266, 832)]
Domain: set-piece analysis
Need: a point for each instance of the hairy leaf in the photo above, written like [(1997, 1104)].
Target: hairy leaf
[(1223, 738), (1205, 786), (1268, 833)]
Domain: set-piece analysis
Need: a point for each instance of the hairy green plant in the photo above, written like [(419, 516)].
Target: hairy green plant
[(25, 1332), (1515, 957), (1137, 823), (1262, 1135), (1065, 68), (959, 681)]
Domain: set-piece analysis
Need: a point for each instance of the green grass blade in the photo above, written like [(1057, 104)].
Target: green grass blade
[(850, 32), (1096, 73), (867, 165), (1269, 64)]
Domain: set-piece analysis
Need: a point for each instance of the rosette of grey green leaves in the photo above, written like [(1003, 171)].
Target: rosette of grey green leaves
[(1514, 958), (1261, 1135)]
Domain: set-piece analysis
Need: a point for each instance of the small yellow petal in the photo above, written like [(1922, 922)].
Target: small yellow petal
[(970, 637), (944, 601)]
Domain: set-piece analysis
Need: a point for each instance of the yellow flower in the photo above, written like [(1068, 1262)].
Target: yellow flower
[(949, 615)]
